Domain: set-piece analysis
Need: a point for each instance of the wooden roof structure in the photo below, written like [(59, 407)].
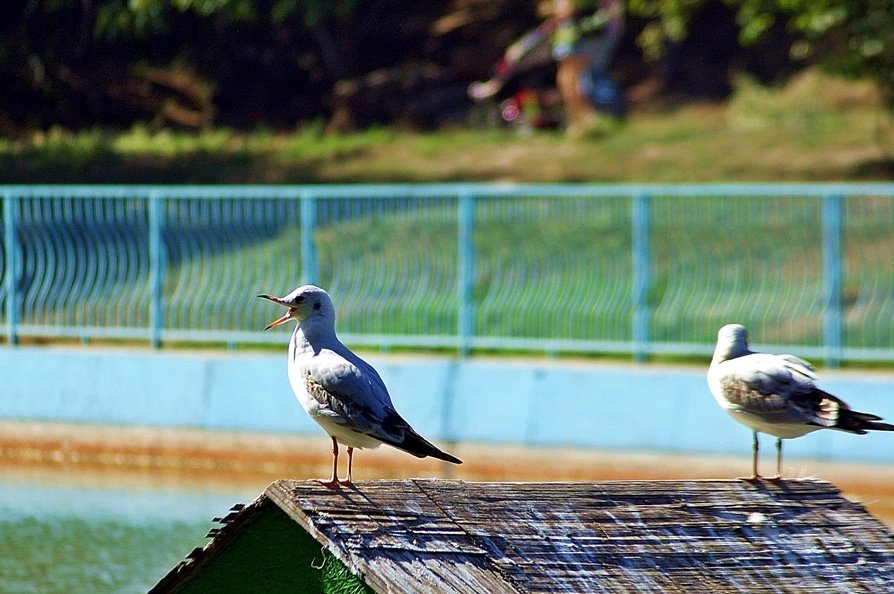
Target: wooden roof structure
[(429, 535)]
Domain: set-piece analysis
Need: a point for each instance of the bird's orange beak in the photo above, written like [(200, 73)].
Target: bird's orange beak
[(285, 318)]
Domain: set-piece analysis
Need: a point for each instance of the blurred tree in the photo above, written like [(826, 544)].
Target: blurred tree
[(182, 62), (249, 63), (852, 37), (123, 18)]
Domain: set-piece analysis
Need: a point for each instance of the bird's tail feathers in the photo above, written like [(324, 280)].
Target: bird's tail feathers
[(415, 444), (875, 426), (858, 422)]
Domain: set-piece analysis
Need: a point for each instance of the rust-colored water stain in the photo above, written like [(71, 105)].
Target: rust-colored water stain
[(242, 461)]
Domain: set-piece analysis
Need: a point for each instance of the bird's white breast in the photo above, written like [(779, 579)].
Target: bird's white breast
[(301, 359), (776, 429)]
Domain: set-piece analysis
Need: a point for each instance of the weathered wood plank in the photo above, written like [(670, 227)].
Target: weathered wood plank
[(393, 536), (723, 536), (653, 530)]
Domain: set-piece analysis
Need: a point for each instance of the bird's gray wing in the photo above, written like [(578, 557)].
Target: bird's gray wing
[(779, 387), (353, 397)]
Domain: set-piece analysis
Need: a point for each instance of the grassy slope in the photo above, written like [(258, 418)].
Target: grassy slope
[(817, 128)]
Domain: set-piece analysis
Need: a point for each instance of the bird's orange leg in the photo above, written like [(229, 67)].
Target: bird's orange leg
[(333, 481), (348, 479)]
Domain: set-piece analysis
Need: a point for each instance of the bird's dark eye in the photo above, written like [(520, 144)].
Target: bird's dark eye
[(299, 299), (317, 305)]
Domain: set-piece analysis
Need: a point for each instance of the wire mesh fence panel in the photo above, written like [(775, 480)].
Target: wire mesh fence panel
[(82, 266), (553, 269), (390, 264), (548, 268), (221, 252), (754, 260), (868, 288)]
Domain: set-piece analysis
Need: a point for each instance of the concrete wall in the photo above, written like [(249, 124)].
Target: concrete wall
[(534, 402)]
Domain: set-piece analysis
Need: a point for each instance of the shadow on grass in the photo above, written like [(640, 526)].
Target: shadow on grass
[(103, 166), (107, 167), (875, 169)]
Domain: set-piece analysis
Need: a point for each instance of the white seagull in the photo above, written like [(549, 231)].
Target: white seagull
[(776, 394), (338, 389)]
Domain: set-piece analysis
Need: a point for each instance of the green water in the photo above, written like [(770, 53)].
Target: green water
[(74, 538)]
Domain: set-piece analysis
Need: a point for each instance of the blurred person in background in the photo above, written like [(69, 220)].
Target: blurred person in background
[(585, 38)]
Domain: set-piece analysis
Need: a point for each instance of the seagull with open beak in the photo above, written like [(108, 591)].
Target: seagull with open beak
[(338, 389)]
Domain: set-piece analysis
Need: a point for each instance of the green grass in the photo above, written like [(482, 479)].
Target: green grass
[(816, 128)]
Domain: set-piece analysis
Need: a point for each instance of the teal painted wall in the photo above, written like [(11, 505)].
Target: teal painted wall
[(536, 402)]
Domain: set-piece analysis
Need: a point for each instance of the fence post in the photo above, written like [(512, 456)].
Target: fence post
[(11, 249), (832, 278), (465, 271), (642, 275), (157, 265), (310, 271)]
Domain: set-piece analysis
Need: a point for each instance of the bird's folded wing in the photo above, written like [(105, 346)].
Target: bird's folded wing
[(780, 386), (796, 365), (762, 383), (353, 398)]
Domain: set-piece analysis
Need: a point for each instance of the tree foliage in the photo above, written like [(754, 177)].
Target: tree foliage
[(274, 62), (852, 37)]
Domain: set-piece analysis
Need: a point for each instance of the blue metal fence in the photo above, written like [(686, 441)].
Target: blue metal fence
[(630, 269)]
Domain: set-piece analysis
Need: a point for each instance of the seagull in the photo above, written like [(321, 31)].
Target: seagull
[(338, 389), (776, 395)]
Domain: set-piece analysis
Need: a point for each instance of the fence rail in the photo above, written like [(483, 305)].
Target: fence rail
[(629, 269)]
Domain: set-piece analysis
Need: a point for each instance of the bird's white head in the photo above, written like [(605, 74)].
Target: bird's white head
[(732, 342), (305, 303)]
